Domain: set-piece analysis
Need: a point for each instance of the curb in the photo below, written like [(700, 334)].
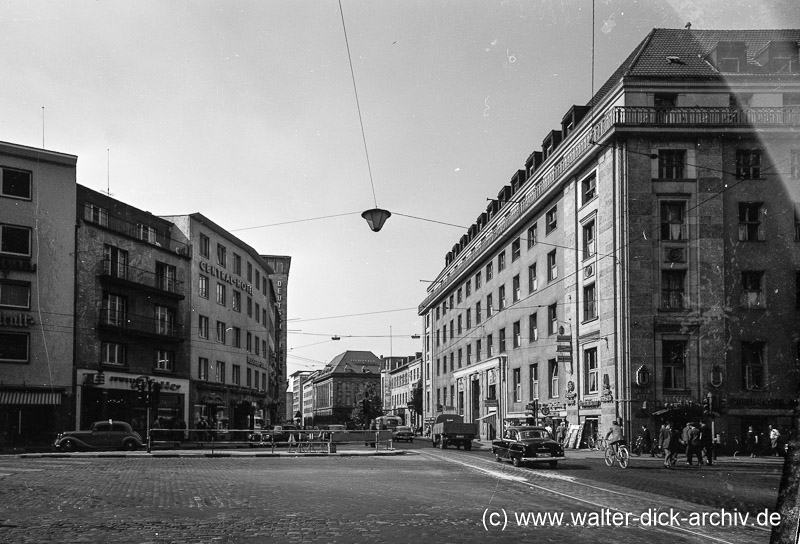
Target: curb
[(208, 454)]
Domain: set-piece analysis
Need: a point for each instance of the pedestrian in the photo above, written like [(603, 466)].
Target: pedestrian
[(706, 444), (647, 441), (774, 437), (671, 445), (693, 446), (751, 441), (561, 433), (664, 436), (202, 426)]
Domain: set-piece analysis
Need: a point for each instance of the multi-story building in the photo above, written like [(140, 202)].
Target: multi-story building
[(399, 382), (646, 260), (294, 408), (307, 387), (342, 384), (37, 245), (279, 278), (232, 319), (130, 314)]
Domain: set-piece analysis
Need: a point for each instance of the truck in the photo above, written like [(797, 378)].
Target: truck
[(450, 430)]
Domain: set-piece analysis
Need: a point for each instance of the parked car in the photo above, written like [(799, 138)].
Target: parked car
[(103, 435), (280, 433), (526, 444)]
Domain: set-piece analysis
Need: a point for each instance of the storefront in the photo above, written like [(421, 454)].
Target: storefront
[(112, 395)]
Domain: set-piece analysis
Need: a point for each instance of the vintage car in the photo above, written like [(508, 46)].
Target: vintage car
[(403, 433), (522, 445), (280, 434), (103, 435)]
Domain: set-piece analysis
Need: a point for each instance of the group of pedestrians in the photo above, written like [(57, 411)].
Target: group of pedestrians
[(695, 440)]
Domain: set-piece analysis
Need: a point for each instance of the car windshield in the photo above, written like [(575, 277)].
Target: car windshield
[(532, 434)]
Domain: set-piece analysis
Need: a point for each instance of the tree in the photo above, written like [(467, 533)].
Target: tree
[(368, 407)]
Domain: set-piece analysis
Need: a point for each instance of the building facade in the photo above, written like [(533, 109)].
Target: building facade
[(644, 263), (232, 329), (400, 381), (130, 312), (279, 266), (37, 282), (342, 384), (294, 393)]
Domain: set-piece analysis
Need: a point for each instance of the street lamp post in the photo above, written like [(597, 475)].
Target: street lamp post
[(149, 392)]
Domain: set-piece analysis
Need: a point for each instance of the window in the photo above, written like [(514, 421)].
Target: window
[(552, 366), (478, 312), (673, 220), (468, 287), (444, 333), (437, 366), (748, 163), (671, 163), (794, 164), (249, 347), (501, 262), (551, 220), (205, 246), (15, 183), (237, 337), (783, 57), (165, 320), (589, 302), (489, 305), (203, 287), (166, 277), (249, 377), (533, 372), (165, 360), (533, 236), (146, 233), (452, 362), (237, 301), (469, 318), (458, 295), (552, 319), (14, 347), (588, 189), (592, 378), (222, 256), (95, 214), (203, 327), (515, 288), (221, 332), (517, 384), (753, 365), (477, 280), (478, 345), (460, 328), (672, 289), (515, 250), (469, 354), (258, 313), (221, 372), (236, 374), (452, 302), (15, 294), (115, 262), (112, 353), (501, 298), (249, 272), (249, 307), (221, 294), (114, 310), (533, 280), (489, 272), (753, 290), (237, 264), (452, 330), (202, 369), (533, 328), (588, 240), (502, 340), (673, 360), (459, 358), (750, 216), (438, 337), (489, 346), (517, 339), (258, 279), (15, 240), (552, 266)]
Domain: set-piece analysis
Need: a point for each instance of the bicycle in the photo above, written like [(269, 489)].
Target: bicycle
[(638, 446), (596, 443), (620, 455)]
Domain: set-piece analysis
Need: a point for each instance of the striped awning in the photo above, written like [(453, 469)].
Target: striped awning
[(30, 398)]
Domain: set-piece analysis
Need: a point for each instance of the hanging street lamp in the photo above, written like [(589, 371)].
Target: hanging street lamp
[(376, 217)]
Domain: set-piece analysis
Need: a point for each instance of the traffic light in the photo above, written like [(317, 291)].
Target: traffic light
[(141, 391)]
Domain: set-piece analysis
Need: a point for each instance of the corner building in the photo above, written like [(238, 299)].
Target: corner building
[(232, 336), (645, 264), (37, 288)]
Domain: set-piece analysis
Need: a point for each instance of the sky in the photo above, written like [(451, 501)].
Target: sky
[(247, 112)]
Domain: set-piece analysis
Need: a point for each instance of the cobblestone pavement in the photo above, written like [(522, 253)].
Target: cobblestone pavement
[(424, 495)]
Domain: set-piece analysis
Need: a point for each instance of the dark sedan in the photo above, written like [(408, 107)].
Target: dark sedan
[(103, 435), (403, 433), (522, 445)]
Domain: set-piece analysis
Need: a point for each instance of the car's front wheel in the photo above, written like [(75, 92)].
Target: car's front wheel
[(130, 445), (68, 445)]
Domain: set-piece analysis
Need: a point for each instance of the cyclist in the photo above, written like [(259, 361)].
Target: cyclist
[(614, 436)]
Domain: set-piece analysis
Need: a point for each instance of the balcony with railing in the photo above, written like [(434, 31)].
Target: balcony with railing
[(119, 273), (586, 139), (116, 320)]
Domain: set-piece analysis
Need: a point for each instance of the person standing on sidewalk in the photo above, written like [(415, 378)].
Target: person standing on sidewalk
[(671, 445), (774, 438), (751, 441), (707, 444), (664, 436)]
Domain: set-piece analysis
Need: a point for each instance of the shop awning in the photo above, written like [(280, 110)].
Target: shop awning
[(30, 398), (493, 414)]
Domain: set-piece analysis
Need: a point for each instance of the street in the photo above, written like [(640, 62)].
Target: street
[(427, 493)]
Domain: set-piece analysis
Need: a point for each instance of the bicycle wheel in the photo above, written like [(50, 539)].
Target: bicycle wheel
[(609, 456), (623, 457)]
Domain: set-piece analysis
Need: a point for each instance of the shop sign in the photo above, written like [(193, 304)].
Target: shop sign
[(225, 276), (749, 402), (16, 320), (590, 404), (128, 380), (490, 402)]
